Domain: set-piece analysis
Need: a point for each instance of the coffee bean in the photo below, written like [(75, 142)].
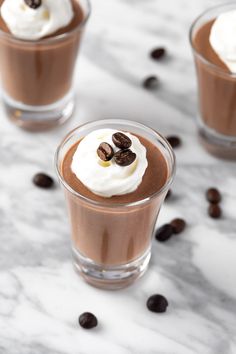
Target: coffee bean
[(178, 225), (164, 233), (121, 140), (151, 83), (169, 194), (124, 157), (33, 4), (157, 303), (174, 141), (158, 53), (214, 211), (213, 195), (87, 320), (105, 152), (43, 181)]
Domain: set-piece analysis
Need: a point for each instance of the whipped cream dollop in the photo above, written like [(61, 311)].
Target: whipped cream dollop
[(27, 23), (106, 178), (223, 39)]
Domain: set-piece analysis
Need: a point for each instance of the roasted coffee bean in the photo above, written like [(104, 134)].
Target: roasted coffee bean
[(213, 195), (158, 53), (178, 225), (87, 320), (174, 141), (169, 194), (164, 233), (105, 152), (214, 211), (157, 303), (33, 4), (43, 181), (124, 157), (151, 83), (121, 140)]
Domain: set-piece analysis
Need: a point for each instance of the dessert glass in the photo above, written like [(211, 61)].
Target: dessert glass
[(111, 243), (216, 95), (37, 76)]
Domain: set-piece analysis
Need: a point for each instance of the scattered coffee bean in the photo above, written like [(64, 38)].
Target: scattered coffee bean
[(213, 195), (157, 303), (174, 141), (121, 140), (169, 194), (124, 157), (87, 320), (178, 225), (43, 181), (214, 211), (151, 83), (33, 4), (158, 53), (164, 233), (105, 152)]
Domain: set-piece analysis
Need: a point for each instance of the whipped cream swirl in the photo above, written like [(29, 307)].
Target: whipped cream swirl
[(223, 39), (108, 179), (33, 24)]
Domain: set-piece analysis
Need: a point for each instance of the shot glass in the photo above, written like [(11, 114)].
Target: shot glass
[(37, 76), (216, 95), (111, 243)]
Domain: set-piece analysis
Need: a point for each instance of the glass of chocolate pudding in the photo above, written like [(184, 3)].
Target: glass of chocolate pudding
[(213, 42), (39, 43), (115, 175)]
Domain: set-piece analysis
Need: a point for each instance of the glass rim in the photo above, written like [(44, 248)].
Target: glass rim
[(160, 138), (196, 52), (52, 39)]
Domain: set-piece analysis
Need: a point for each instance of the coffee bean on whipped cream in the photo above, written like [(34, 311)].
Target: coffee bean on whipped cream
[(87, 320), (157, 303), (158, 53), (213, 195), (151, 83), (105, 152), (121, 140), (33, 4), (42, 180), (124, 157)]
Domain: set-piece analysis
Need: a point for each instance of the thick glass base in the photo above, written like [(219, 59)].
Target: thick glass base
[(110, 277), (217, 144), (39, 118)]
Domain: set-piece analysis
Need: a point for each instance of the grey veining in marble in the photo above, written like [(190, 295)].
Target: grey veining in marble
[(40, 296)]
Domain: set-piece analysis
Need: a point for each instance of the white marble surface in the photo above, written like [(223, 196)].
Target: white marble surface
[(40, 296)]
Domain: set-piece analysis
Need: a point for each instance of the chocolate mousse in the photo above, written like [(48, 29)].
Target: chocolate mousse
[(108, 233), (39, 73), (217, 85)]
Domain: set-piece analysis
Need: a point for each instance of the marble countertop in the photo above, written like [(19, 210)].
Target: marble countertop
[(40, 295)]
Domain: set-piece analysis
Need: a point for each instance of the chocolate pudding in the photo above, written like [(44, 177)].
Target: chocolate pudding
[(217, 86), (115, 175), (39, 73), (106, 231)]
